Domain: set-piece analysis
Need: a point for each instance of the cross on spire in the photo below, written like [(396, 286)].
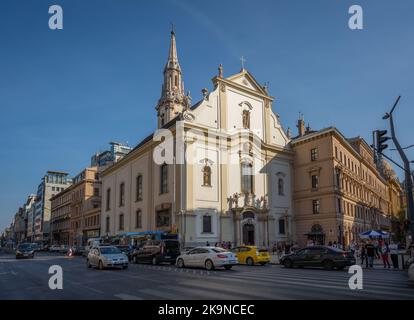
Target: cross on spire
[(243, 60)]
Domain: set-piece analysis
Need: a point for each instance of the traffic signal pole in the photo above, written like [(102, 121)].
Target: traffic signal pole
[(407, 171)]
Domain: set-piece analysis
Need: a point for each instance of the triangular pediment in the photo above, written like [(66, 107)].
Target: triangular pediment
[(245, 79)]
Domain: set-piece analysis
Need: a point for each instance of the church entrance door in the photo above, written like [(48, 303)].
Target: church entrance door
[(248, 234)]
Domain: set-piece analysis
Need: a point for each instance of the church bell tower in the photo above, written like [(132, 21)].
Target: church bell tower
[(173, 99)]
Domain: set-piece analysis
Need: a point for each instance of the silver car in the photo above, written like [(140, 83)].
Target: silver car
[(207, 257), (106, 257)]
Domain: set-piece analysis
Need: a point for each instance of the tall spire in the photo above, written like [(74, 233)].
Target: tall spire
[(172, 62), (173, 99)]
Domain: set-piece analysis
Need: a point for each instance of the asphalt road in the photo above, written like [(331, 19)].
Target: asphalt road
[(28, 279)]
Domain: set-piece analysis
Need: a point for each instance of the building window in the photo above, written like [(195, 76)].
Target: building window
[(315, 181), (207, 224), (121, 221), (107, 225), (336, 152), (108, 199), (138, 219), (139, 188), (315, 206), (281, 186), (164, 179), (247, 178), (282, 226), (207, 176), (314, 154), (246, 119), (163, 218), (122, 194)]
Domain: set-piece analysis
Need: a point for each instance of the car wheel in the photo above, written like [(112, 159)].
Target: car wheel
[(328, 265), (180, 263), (209, 265), (249, 261), (288, 263), (154, 261), (227, 267), (101, 267), (88, 264)]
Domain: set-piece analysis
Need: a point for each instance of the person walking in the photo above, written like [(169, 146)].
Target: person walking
[(393, 248), (370, 251), (207, 244), (384, 254), (364, 255)]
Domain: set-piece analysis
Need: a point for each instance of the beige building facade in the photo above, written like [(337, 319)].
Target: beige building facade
[(338, 190), (76, 210)]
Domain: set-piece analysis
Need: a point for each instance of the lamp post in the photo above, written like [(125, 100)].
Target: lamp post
[(407, 170)]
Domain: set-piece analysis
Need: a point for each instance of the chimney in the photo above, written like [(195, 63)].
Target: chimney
[(301, 126)]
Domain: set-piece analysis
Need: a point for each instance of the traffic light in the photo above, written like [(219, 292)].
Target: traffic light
[(381, 139)]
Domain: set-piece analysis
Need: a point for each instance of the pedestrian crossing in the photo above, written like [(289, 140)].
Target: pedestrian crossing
[(275, 282)]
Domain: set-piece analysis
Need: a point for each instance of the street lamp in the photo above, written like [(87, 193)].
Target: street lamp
[(407, 170)]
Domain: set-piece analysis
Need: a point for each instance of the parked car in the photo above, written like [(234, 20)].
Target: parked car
[(36, 247), (319, 256), (54, 248), (207, 257), (106, 257), (156, 251), (127, 250), (25, 250), (251, 255), (78, 250)]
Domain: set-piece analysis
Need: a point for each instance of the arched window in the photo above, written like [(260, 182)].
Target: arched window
[(207, 176), (121, 221), (281, 187), (138, 219), (164, 178), (247, 178), (246, 119), (139, 188)]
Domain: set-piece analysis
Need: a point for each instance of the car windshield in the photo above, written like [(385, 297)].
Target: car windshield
[(110, 250), (218, 250), (172, 244), (24, 246)]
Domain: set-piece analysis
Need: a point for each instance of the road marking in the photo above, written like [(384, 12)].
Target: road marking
[(125, 296)]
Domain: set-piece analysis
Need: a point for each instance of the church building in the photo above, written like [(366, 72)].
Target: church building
[(229, 176)]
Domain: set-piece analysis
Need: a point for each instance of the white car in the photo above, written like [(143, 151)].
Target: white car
[(106, 257), (207, 257)]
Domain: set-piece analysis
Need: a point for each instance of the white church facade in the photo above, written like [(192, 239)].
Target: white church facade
[(218, 170)]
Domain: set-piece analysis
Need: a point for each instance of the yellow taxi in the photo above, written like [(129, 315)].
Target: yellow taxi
[(251, 255)]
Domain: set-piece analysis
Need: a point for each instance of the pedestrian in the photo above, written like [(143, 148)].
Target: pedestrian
[(330, 244), (393, 247), (229, 245), (335, 245), (207, 244), (363, 253), (216, 244), (384, 254), (370, 252)]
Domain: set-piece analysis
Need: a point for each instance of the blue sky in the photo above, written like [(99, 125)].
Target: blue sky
[(65, 94)]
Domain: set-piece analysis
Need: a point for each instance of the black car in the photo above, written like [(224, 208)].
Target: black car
[(156, 251), (127, 250), (25, 250), (319, 256)]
